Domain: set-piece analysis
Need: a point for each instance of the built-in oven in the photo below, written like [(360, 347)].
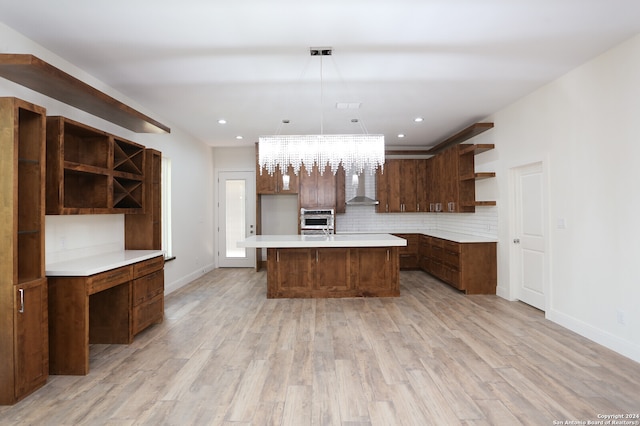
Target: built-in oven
[(317, 221)]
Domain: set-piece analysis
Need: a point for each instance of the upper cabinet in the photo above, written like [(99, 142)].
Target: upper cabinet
[(317, 189), (92, 172), (452, 177), (401, 187), (442, 183), (276, 183)]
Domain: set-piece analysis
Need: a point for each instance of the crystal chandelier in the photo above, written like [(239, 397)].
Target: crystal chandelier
[(357, 153)]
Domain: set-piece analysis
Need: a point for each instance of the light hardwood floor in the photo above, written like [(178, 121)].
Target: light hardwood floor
[(226, 355)]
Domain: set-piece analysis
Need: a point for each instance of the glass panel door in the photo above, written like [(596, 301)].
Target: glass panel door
[(236, 214)]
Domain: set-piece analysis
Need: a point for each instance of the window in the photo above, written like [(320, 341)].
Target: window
[(166, 208)]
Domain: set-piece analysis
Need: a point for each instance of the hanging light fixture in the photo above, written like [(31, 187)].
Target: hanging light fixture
[(357, 153)]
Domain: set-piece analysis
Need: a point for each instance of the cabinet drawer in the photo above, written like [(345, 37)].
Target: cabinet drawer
[(147, 266), (151, 312), (108, 279), (451, 246), (148, 287), (452, 258)]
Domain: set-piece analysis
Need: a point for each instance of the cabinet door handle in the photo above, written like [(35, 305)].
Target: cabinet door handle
[(316, 256), (277, 255), (387, 255), (21, 292)]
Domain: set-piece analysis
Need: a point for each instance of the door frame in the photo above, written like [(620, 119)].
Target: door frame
[(515, 269), (250, 215)]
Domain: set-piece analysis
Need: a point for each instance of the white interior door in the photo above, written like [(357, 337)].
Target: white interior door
[(236, 218), (530, 234)]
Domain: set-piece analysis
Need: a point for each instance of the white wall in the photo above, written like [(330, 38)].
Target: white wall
[(192, 177), (584, 127)]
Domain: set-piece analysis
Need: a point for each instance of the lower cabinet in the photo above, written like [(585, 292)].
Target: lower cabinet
[(470, 267), (332, 272), (27, 368), (409, 254), (109, 307), (147, 288)]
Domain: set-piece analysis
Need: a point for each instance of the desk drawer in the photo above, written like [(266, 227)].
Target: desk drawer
[(148, 287), (108, 279), (147, 266), (151, 312)]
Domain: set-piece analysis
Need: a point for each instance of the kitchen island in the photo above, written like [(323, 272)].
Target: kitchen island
[(334, 265)]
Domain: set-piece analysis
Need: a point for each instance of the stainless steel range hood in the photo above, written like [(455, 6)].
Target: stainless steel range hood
[(361, 199)]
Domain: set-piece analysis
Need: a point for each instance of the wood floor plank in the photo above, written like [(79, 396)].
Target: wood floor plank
[(227, 355)]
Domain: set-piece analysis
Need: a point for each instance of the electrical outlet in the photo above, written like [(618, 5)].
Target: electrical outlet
[(621, 316)]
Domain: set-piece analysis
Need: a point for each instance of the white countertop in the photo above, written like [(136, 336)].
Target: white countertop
[(91, 265), (445, 235), (334, 240)]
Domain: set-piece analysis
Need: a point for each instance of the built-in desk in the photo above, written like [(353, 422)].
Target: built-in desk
[(101, 299)]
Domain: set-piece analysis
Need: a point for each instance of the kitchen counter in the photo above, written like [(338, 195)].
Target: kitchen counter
[(445, 235), (318, 241), (86, 266)]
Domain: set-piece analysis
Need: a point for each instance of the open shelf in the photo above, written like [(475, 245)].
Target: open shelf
[(99, 173), (127, 193), (85, 190), (478, 176), (36, 74), (476, 149), (128, 157)]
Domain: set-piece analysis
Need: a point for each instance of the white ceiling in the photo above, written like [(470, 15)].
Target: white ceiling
[(453, 62)]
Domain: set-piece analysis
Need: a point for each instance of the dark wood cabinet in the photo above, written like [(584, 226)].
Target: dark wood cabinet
[(109, 307), (376, 271), (289, 272), (451, 179), (23, 285), (400, 188), (147, 290), (143, 231), (273, 184), (317, 190), (409, 254), (470, 267), (332, 272), (92, 172)]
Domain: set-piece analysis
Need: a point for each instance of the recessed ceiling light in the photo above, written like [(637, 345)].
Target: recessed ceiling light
[(348, 105), (418, 119), (222, 121), (239, 137), (401, 135)]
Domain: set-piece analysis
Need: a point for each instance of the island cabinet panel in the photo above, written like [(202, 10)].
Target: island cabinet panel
[(376, 271), (291, 270), (332, 272)]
